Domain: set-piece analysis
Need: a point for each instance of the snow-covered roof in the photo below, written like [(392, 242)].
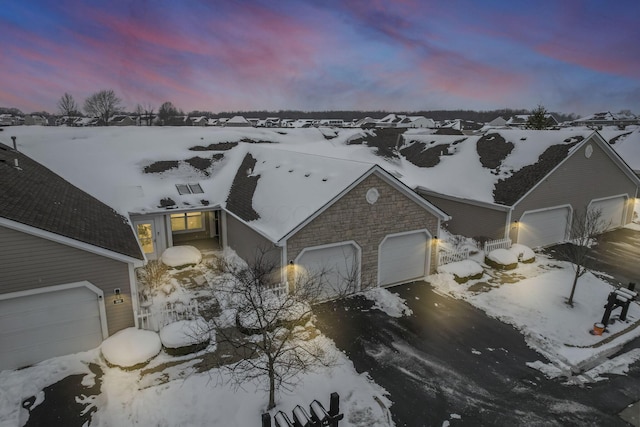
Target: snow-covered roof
[(627, 145), (286, 187), (134, 169), (487, 168)]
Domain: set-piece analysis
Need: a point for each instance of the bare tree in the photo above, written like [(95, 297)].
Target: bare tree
[(167, 111), (138, 112), (103, 104), (67, 105), (148, 113), (586, 225), (267, 326)]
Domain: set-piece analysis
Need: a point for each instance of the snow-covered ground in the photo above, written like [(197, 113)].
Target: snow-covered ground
[(204, 398), (533, 299)]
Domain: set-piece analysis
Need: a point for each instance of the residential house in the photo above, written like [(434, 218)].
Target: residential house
[(524, 185), (32, 120), (498, 122), (521, 120), (122, 120), (237, 121), (606, 118), (67, 261)]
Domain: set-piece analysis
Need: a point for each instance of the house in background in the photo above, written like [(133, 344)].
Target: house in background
[(607, 118), (122, 120), (68, 262), (497, 122), (237, 121), (521, 120), (524, 185), (32, 120)]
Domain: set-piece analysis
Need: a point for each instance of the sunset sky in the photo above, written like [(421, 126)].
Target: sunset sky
[(568, 55)]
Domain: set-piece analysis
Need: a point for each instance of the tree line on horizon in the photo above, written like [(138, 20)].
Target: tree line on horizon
[(105, 104)]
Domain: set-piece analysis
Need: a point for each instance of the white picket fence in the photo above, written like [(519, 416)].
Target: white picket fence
[(155, 320), (490, 245), (446, 257)]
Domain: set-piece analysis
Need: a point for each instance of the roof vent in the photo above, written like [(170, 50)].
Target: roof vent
[(15, 145)]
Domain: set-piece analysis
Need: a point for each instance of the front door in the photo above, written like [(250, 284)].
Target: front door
[(147, 238)]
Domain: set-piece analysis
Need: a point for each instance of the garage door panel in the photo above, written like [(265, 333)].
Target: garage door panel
[(336, 267), (543, 228), (612, 211), (403, 257), (48, 324)]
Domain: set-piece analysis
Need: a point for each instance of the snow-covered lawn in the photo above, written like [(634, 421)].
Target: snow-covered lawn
[(171, 391), (532, 298), (190, 398)]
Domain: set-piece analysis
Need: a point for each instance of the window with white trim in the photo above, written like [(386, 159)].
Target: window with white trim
[(188, 221)]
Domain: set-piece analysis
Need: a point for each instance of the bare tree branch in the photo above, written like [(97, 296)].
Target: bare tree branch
[(277, 339), (103, 104)]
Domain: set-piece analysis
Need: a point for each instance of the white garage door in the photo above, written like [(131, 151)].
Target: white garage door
[(48, 324), (337, 268), (613, 210), (544, 228), (403, 257)]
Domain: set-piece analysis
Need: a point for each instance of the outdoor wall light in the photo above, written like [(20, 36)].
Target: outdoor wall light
[(290, 262), (116, 291)]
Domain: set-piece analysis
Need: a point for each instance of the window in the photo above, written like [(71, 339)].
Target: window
[(188, 221), (189, 188)]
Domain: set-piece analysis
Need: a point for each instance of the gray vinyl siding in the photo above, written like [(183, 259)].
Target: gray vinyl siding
[(470, 220), (578, 181), (248, 244), (30, 262)]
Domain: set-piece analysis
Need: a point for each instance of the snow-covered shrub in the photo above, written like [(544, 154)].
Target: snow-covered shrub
[(463, 271), (186, 336), (131, 348), (152, 276), (501, 259), (181, 256), (524, 253)]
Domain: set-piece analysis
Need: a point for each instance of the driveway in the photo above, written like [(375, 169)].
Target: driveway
[(450, 362), (616, 254)]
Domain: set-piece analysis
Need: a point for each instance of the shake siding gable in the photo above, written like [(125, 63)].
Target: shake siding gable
[(353, 218), (577, 181), (30, 262)]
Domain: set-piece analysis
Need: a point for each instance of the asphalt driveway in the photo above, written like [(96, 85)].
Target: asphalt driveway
[(617, 254), (450, 362)]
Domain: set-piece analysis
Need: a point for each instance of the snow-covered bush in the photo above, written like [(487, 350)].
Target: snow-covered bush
[(152, 276), (463, 271), (181, 256), (186, 336), (501, 259), (524, 253), (131, 348)]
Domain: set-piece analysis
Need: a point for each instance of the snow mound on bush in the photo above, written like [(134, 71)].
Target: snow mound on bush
[(177, 256), (184, 333), (465, 268), (503, 257), (388, 302), (522, 252), (131, 347)]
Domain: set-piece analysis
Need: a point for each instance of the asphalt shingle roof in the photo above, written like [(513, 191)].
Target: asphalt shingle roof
[(33, 195)]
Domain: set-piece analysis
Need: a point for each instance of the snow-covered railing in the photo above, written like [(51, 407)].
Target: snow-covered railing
[(172, 312), (446, 257), (490, 245)]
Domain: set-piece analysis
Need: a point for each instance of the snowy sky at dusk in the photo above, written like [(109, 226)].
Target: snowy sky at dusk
[(568, 55)]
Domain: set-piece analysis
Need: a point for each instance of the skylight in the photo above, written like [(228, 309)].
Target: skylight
[(189, 188)]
